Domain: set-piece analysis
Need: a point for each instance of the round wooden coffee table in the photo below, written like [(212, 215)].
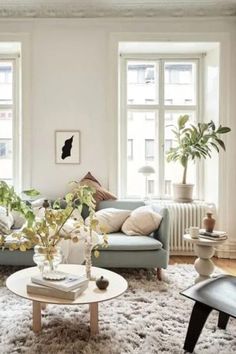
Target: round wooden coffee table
[(17, 282), (205, 250)]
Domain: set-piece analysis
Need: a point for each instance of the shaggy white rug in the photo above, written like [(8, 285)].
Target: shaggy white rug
[(151, 317)]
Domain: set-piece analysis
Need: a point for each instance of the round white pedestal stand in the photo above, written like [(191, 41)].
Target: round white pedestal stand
[(205, 250)]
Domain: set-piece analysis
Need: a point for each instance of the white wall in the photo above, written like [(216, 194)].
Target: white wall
[(71, 76), (69, 92)]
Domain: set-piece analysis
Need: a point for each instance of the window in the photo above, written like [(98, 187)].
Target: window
[(154, 93), (178, 73), (149, 116), (5, 149), (9, 122), (149, 149)]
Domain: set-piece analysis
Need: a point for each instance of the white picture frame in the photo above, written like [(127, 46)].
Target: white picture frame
[(67, 146)]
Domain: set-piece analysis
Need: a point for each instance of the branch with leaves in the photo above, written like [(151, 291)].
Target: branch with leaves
[(11, 201), (48, 231), (195, 142)]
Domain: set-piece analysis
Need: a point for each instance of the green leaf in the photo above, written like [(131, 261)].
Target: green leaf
[(31, 192), (69, 197), (212, 125), (182, 121), (221, 143), (215, 146), (223, 130)]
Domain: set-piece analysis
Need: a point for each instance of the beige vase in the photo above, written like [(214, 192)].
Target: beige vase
[(183, 193)]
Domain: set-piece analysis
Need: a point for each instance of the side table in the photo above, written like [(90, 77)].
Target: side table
[(205, 250)]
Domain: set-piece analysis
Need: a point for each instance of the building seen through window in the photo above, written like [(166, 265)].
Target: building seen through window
[(153, 107), (149, 149)]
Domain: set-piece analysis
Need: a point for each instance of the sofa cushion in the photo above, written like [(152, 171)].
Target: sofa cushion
[(100, 192), (110, 219), (120, 242), (142, 221)]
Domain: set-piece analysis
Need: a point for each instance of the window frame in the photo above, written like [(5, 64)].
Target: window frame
[(131, 156), (14, 58), (159, 109)]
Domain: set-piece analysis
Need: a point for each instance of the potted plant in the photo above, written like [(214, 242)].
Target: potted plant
[(193, 142)]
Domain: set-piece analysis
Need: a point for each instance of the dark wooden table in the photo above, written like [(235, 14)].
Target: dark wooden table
[(213, 294)]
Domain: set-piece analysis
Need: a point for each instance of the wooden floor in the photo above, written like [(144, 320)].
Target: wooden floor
[(228, 265)]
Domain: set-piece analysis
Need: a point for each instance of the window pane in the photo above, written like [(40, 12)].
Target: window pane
[(5, 83), (142, 134), (149, 149), (173, 170), (180, 83), (151, 184), (6, 145), (141, 82)]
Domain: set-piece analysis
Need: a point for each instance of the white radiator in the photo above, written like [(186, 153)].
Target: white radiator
[(182, 216)]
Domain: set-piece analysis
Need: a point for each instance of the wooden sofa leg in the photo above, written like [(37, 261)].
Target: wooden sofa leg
[(159, 274)]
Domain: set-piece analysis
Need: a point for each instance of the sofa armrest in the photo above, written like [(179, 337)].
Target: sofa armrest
[(162, 234)]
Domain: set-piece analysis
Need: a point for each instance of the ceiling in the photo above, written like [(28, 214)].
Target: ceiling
[(115, 8)]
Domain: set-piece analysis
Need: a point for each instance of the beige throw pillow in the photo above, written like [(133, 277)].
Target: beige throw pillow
[(110, 219), (142, 221)]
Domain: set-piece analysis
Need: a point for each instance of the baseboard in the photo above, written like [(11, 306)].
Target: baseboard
[(227, 251)]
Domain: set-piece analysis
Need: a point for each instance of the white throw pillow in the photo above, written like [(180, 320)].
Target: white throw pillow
[(110, 218), (142, 221), (6, 222)]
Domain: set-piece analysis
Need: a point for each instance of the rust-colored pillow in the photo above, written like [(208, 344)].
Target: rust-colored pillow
[(101, 192)]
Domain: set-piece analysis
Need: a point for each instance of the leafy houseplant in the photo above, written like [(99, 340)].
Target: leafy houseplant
[(11, 201), (46, 233), (194, 142)]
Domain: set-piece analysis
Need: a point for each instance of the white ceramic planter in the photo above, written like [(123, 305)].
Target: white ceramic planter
[(183, 193)]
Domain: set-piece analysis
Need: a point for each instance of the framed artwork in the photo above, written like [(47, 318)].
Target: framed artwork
[(67, 146)]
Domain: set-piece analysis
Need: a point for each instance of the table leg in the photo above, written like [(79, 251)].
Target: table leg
[(204, 265), (94, 318), (198, 318), (223, 320), (36, 316)]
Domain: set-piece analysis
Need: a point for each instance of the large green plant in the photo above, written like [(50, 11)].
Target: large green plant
[(195, 142), (12, 201)]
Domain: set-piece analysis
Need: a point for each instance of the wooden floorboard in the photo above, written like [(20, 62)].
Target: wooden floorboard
[(227, 265)]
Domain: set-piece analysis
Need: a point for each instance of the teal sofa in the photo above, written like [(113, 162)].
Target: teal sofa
[(151, 251)]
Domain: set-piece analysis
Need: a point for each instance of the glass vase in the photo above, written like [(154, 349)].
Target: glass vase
[(47, 258)]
